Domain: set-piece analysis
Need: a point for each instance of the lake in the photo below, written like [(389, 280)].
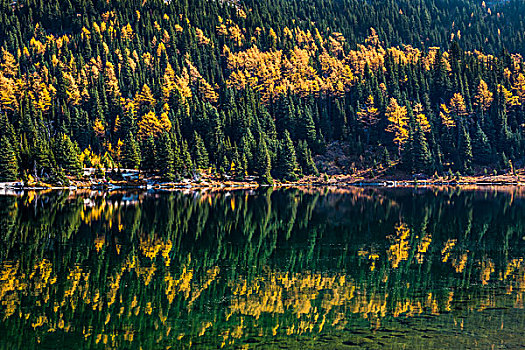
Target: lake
[(302, 268)]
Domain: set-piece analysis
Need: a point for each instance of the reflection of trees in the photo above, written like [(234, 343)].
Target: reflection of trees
[(205, 266)]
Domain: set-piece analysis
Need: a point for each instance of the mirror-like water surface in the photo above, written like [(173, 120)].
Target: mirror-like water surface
[(294, 268)]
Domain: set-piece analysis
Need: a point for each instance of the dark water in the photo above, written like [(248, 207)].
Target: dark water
[(297, 268)]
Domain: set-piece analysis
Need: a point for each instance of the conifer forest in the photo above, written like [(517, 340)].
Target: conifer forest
[(276, 89)]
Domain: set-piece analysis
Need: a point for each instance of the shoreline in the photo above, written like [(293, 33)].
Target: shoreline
[(336, 181)]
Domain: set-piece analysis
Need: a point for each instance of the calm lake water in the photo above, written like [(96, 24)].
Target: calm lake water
[(291, 268)]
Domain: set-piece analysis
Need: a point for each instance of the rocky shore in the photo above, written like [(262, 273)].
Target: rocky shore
[(516, 179)]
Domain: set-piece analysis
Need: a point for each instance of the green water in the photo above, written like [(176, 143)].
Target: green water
[(293, 268)]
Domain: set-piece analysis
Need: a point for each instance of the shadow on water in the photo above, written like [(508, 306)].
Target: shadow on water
[(290, 268)]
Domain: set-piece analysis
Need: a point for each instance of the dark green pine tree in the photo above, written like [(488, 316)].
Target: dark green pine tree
[(422, 159), (178, 162), (306, 130), (407, 153), (66, 156), (8, 162), (247, 149), (130, 153), (285, 114), (44, 158), (263, 163), (148, 152), (481, 148), (286, 159), (305, 159), (186, 157), (465, 149), (165, 157), (127, 123), (127, 77), (216, 136), (200, 154), (440, 78), (385, 158), (97, 111), (237, 166)]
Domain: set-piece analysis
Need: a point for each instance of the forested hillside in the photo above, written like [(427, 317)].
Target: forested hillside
[(276, 89)]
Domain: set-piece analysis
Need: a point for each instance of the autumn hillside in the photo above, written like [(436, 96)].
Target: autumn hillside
[(276, 89)]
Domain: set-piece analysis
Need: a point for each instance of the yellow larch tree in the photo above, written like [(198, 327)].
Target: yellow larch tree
[(202, 39), (398, 123), (144, 99), (72, 91), (207, 91), (182, 84), (151, 125), (100, 129), (368, 114), (519, 88), (8, 65), (421, 118), (446, 120), (483, 98), (8, 98), (111, 81), (45, 95), (510, 99), (168, 82), (126, 32), (457, 105)]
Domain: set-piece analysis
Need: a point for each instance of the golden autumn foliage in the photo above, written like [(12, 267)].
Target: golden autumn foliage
[(99, 128), (8, 93), (201, 38), (457, 105), (510, 99), (151, 125), (168, 82), (111, 81), (421, 118), (519, 88), (368, 114), (399, 248), (444, 115), (272, 73), (232, 32), (8, 64), (483, 98), (398, 122), (145, 99), (72, 92)]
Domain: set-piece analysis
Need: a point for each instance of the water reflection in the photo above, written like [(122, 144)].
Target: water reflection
[(294, 268)]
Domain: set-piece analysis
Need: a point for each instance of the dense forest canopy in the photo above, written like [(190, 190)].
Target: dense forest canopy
[(260, 87)]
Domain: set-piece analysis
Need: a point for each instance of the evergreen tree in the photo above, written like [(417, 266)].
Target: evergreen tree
[(66, 156), (237, 167), (130, 153), (305, 159), (385, 158), (263, 164), (422, 157), (148, 152), (8, 161), (200, 154), (465, 149), (481, 148), (186, 158), (286, 159), (165, 157)]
